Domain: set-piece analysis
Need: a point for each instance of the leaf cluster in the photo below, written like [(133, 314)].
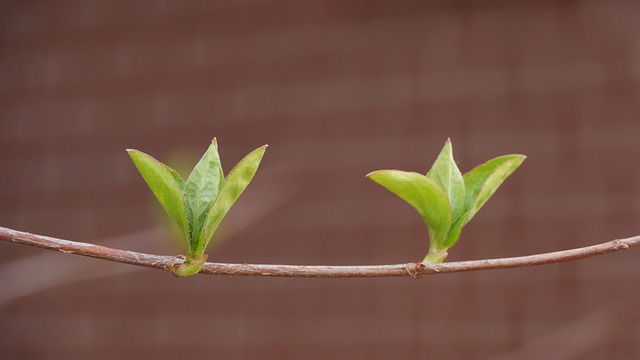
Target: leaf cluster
[(199, 204), (445, 199)]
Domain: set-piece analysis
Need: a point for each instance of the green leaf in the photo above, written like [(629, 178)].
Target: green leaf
[(423, 195), (447, 176), (484, 180), (454, 232), (162, 181), (237, 180), (177, 178), (201, 190)]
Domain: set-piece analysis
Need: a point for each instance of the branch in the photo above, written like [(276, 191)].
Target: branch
[(409, 269)]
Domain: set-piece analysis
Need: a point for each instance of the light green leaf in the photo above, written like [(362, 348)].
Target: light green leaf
[(162, 181), (235, 183), (484, 180), (423, 195), (176, 177), (201, 190), (447, 176), (454, 232)]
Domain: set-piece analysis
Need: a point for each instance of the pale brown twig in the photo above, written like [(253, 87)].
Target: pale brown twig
[(24, 276), (409, 269)]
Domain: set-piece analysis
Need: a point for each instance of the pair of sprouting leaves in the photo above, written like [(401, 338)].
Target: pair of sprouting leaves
[(445, 199), (199, 204)]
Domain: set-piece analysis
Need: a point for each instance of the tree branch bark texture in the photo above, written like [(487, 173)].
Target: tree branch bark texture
[(411, 269)]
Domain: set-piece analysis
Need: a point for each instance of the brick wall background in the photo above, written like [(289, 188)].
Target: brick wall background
[(337, 89)]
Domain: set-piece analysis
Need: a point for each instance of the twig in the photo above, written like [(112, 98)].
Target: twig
[(409, 269), (24, 277)]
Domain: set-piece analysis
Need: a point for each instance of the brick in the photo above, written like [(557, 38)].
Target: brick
[(577, 76), (489, 36), (538, 35), (441, 44), (337, 90), (457, 86)]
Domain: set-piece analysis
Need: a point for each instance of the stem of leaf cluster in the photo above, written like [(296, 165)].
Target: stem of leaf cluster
[(436, 257), (398, 270)]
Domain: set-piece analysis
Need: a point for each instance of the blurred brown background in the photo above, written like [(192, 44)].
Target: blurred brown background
[(338, 89)]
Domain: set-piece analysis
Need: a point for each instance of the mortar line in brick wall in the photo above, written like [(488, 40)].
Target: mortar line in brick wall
[(411, 269)]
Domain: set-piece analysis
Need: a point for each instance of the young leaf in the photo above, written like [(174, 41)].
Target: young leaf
[(235, 183), (484, 180), (201, 190), (162, 181), (177, 178), (445, 173), (454, 232), (423, 195)]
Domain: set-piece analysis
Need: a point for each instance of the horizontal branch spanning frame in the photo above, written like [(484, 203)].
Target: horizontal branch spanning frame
[(409, 269)]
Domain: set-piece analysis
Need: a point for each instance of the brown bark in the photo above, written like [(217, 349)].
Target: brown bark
[(409, 269)]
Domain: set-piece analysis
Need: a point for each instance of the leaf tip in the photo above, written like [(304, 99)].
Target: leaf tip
[(133, 153), (262, 149), (373, 173), (521, 157)]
